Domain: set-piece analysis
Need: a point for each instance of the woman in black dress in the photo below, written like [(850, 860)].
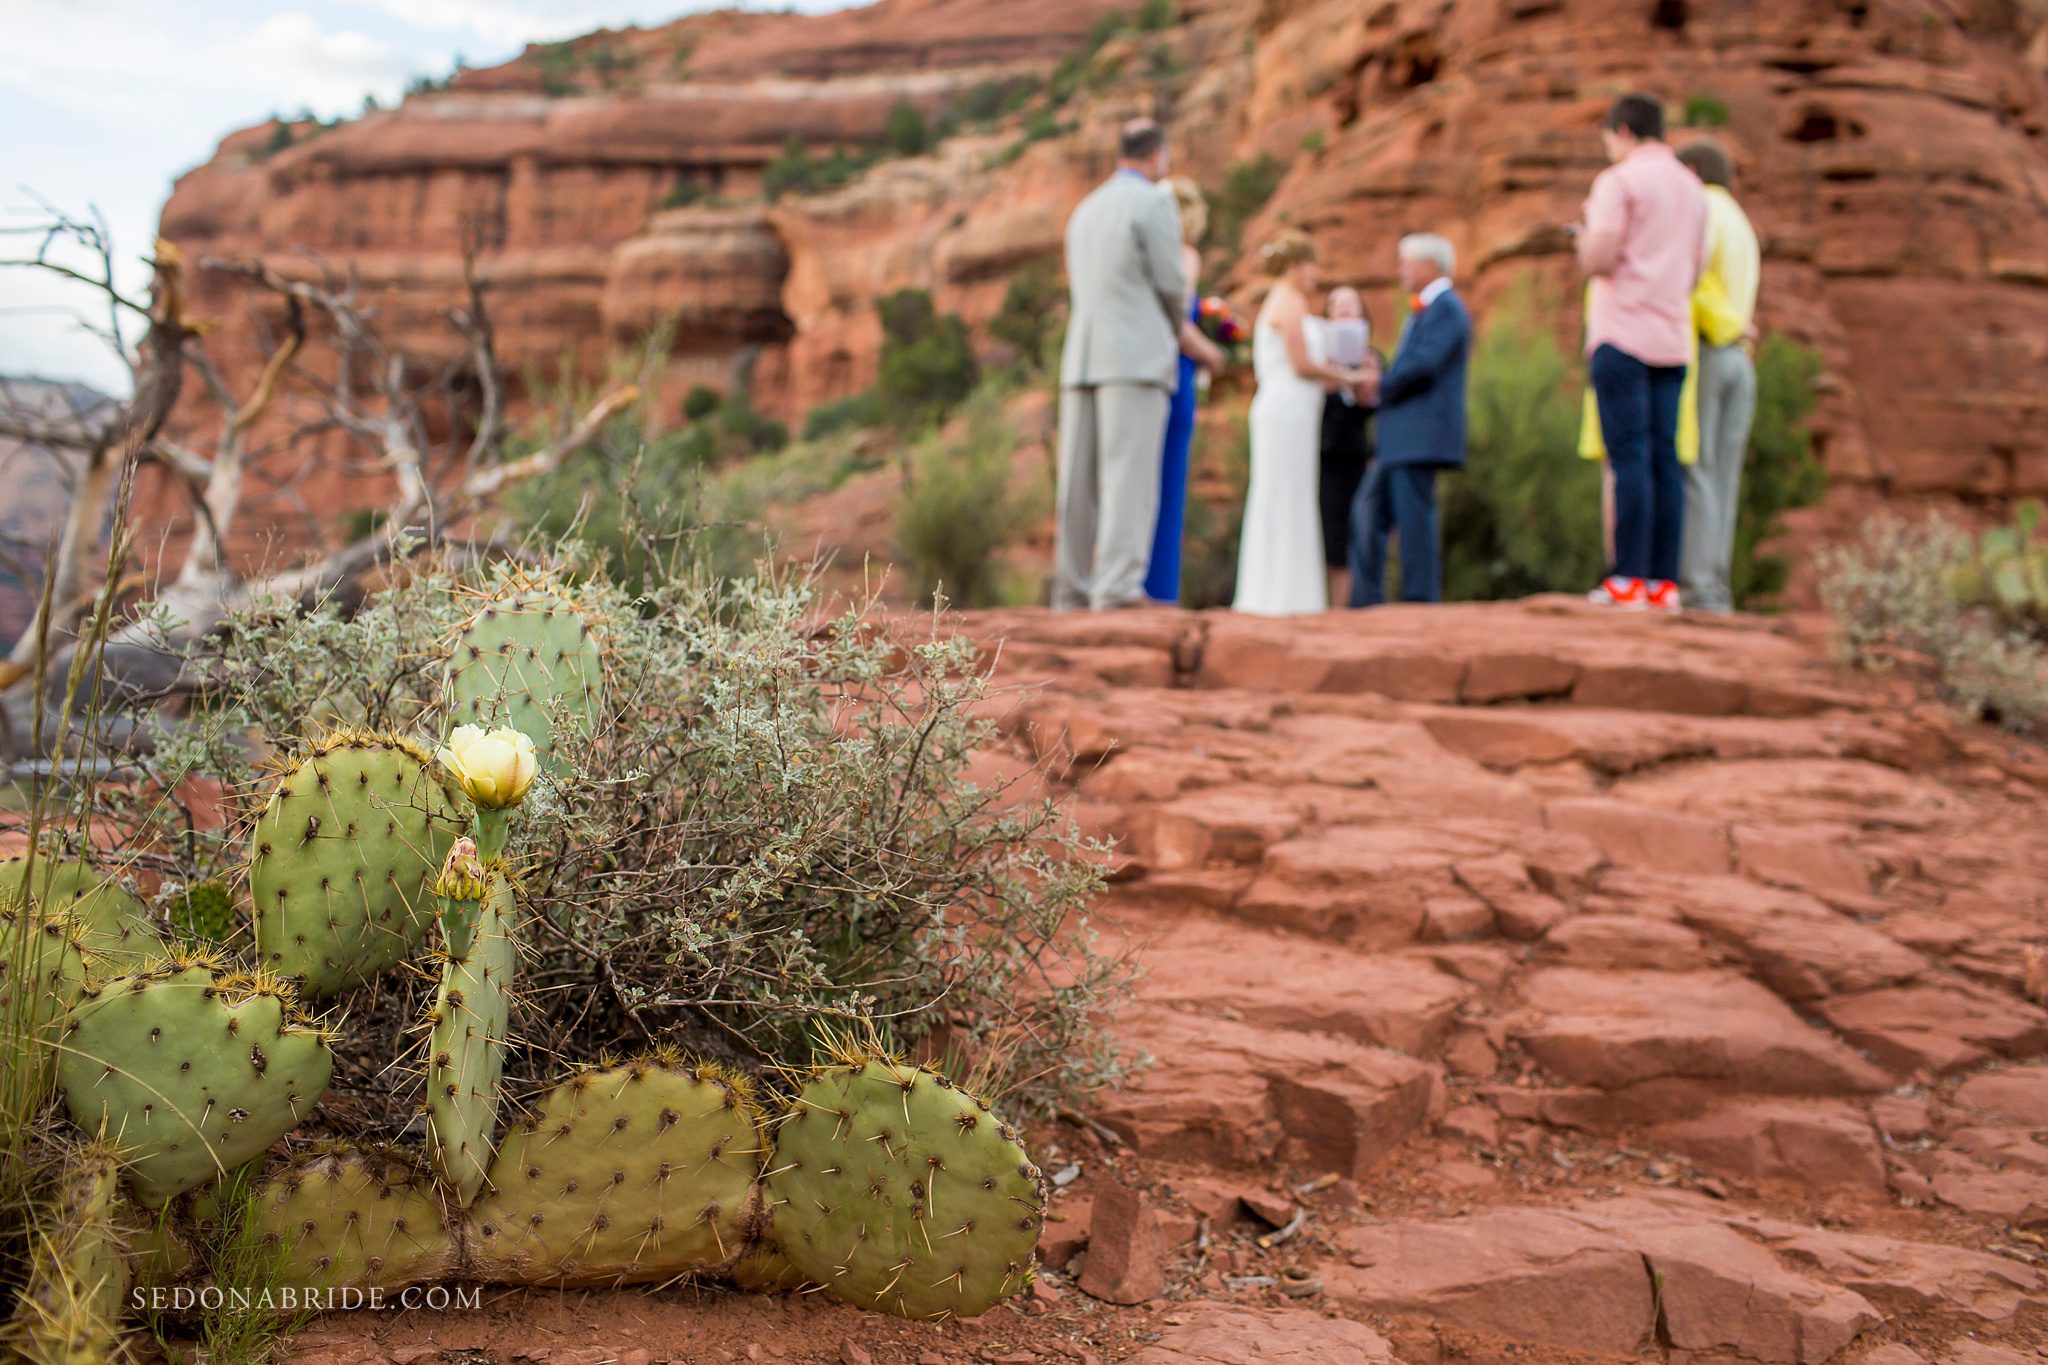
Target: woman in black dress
[(1346, 451)]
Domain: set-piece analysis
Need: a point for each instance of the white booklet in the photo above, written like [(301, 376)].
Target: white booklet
[(1349, 339)]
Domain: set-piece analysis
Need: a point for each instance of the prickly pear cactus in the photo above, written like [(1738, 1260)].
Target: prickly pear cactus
[(70, 1310), (765, 1270), (116, 927), (343, 857), (621, 1175), (356, 1217), (189, 1071), (528, 658), (206, 911), (466, 1044), (42, 973), (901, 1192)]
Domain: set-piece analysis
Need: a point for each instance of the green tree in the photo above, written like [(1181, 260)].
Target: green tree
[(906, 133), (957, 515), (927, 365), (1032, 313), (1781, 472), (1155, 15), (1523, 516), (791, 172), (1247, 186), (701, 401)]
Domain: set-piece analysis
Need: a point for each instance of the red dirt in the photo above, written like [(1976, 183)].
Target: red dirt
[(1629, 988)]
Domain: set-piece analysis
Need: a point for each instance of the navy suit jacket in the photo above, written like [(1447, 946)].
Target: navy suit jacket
[(1422, 394)]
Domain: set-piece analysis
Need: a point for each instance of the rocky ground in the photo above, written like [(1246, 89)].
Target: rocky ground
[(1522, 984)]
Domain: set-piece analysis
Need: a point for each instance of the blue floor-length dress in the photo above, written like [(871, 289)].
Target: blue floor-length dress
[(1162, 577)]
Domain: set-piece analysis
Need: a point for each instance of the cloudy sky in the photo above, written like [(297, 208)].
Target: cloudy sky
[(104, 102)]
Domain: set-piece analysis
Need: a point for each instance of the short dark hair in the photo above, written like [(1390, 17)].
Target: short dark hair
[(1641, 114), (1140, 139), (1710, 161)]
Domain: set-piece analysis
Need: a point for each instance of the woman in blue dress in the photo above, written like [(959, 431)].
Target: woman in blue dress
[(1162, 578)]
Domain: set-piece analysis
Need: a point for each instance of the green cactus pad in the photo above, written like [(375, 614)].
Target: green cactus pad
[(70, 1310), (42, 973), (189, 1071), (466, 1046), (356, 1217), (901, 1192), (631, 1174), (116, 926), (343, 857), (528, 658)]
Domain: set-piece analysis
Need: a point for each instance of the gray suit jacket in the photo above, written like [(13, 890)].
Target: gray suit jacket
[(1127, 285)]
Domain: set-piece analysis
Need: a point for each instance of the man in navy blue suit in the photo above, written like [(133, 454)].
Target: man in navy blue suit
[(1421, 430)]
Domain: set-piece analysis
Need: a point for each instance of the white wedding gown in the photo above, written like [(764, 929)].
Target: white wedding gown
[(1280, 558)]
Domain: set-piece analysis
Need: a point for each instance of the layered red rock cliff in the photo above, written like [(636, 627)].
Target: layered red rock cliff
[(1894, 156)]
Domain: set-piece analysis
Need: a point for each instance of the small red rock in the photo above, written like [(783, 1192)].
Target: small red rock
[(1126, 1248)]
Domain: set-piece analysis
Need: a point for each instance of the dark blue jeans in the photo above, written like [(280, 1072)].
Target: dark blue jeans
[(1402, 499), (1639, 422)]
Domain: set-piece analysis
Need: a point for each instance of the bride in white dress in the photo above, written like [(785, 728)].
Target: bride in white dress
[(1280, 558)]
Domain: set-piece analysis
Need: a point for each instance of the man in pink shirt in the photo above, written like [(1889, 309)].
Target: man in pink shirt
[(1642, 242)]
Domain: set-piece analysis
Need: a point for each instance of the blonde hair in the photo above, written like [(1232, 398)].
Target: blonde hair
[(1288, 249), (1194, 209)]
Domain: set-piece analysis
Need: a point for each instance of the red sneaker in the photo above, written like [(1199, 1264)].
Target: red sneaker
[(1627, 594), (1662, 595)]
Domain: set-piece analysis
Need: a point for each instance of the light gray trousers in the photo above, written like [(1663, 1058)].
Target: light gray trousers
[(1713, 483), (1111, 438)]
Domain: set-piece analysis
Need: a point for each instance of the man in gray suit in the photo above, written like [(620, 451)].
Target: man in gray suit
[(1117, 374)]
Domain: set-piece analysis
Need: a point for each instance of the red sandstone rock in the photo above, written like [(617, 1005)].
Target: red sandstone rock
[(1614, 1029), (2019, 1092), (1126, 1247), (1636, 836), (1937, 1027), (1234, 1093), (1223, 1334), (1624, 941), (1065, 1232), (1816, 1144)]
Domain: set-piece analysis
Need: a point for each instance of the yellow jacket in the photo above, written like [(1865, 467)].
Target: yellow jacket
[(1720, 313)]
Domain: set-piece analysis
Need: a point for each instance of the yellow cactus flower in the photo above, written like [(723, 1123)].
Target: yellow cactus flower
[(496, 769)]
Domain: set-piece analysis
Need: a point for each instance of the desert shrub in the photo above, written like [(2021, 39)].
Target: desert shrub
[(700, 402), (905, 132), (1892, 594), (957, 515), (774, 822), (1704, 111), (1155, 15), (1032, 313), (1523, 516), (927, 365), (843, 414), (1781, 472), (1246, 187), (682, 194)]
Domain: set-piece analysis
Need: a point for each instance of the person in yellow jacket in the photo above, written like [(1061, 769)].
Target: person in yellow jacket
[(1719, 401)]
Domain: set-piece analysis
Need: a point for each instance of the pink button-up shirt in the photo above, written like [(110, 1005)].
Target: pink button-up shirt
[(1645, 234)]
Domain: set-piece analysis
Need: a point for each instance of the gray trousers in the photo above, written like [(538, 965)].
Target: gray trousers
[(1713, 483), (1111, 439)]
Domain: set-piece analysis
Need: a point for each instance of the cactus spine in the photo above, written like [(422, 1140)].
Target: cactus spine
[(115, 926), (342, 860), (899, 1191), (466, 1038), (42, 974), (360, 1217), (189, 1071), (69, 1312), (627, 1174), (528, 658)]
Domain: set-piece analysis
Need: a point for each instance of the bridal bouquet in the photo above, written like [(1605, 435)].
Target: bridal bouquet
[(1220, 323)]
